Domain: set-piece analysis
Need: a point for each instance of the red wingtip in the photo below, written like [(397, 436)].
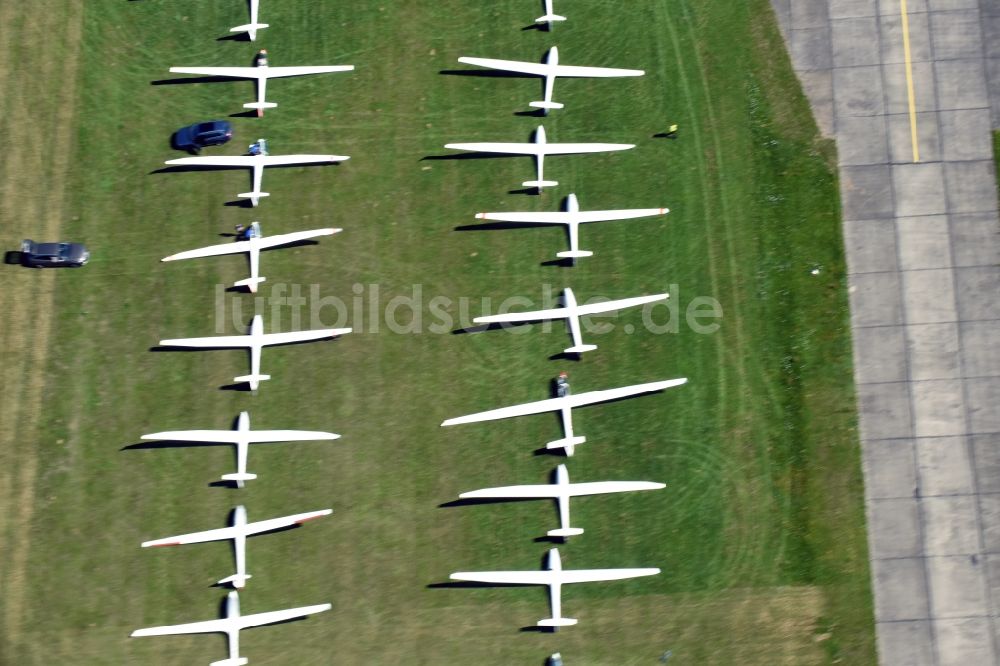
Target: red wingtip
[(172, 543), (305, 520)]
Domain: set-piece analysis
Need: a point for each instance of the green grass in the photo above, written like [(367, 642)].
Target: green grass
[(760, 532)]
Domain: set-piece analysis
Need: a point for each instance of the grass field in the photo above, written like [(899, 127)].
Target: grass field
[(760, 531)]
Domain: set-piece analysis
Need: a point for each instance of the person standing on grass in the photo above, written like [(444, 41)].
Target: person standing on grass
[(562, 385)]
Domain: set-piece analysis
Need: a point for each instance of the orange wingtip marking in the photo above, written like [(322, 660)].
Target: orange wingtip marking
[(172, 543), (305, 520)]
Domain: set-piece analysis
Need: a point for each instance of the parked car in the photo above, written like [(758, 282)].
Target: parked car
[(200, 135), (53, 255)]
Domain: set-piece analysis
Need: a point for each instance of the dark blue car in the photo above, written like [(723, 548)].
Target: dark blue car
[(195, 137), (53, 255)]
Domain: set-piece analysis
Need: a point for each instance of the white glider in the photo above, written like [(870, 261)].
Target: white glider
[(257, 163), (256, 340), (261, 73), (564, 406), (549, 69), (573, 217), (555, 577), (253, 246), (571, 312), (539, 148), (549, 16), (254, 25), (561, 491), (231, 626), (238, 533), (242, 437)]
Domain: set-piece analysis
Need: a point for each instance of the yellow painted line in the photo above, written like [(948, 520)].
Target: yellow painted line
[(909, 80)]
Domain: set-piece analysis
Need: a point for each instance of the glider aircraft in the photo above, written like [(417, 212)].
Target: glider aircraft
[(564, 405), (561, 491), (257, 163), (253, 246), (573, 217), (242, 437), (256, 340), (538, 148), (231, 626), (555, 577), (571, 312), (261, 72), (238, 533), (549, 69)]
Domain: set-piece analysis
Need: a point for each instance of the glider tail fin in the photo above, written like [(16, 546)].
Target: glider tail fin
[(557, 622), (260, 106), (540, 183), (574, 254), (236, 661), (237, 580), (565, 532), (254, 197), (579, 349), (253, 380), (546, 105), (249, 283), (548, 18), (250, 28), (239, 478), (566, 443)]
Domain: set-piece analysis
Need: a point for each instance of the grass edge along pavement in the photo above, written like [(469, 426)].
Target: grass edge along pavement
[(826, 470), (95, 407)]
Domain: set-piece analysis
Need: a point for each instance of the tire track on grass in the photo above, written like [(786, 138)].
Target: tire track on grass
[(744, 545), (693, 119), (33, 187), (745, 540), (739, 358)]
